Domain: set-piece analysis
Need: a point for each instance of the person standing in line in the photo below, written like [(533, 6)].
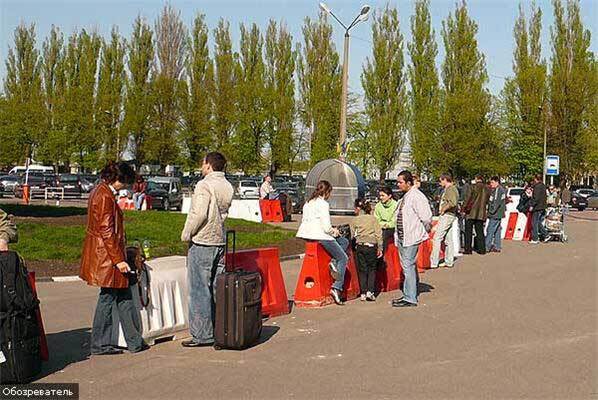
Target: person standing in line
[(384, 212), (537, 207), (476, 201), (443, 231), (205, 233), (139, 189), (8, 231), (565, 196), (103, 263), (266, 188), (368, 238), (316, 225), (414, 220), (497, 207)]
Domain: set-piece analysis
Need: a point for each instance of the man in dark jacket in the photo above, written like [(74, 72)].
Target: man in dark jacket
[(476, 200), (496, 212), (538, 209)]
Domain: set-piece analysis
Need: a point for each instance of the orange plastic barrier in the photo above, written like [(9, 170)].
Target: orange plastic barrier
[(425, 251), (26, 194), (271, 211), (511, 225), (274, 294), (527, 233), (44, 352), (314, 283), (126, 204), (391, 277)]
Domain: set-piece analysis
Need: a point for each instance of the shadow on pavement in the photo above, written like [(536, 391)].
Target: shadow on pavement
[(424, 288), (65, 348), (268, 332)]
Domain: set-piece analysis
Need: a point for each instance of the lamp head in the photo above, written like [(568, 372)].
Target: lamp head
[(364, 14), (324, 7)]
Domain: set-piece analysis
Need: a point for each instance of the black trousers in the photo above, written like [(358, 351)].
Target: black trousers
[(388, 236), (367, 264), (102, 332), (480, 241)]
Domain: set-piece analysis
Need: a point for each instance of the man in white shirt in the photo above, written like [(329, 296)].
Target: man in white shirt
[(266, 188)]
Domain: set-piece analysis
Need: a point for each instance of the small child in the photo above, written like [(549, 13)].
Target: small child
[(368, 238)]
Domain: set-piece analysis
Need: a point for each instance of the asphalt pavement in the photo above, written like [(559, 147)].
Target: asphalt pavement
[(517, 325)]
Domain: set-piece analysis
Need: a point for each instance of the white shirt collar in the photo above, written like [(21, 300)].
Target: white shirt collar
[(114, 191)]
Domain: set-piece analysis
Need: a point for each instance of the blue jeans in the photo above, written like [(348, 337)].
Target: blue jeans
[(338, 251), (537, 227), (203, 265), (493, 234), (408, 259), (138, 200)]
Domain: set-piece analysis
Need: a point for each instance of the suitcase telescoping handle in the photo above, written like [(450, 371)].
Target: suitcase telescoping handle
[(230, 267)]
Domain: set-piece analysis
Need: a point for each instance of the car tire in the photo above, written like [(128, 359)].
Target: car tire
[(581, 208)]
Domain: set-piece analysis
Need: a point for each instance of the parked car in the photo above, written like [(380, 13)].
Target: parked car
[(37, 186), (70, 183), (1, 190), (578, 201), (248, 189), (86, 185), (8, 182), (165, 193), (593, 201), (585, 192)]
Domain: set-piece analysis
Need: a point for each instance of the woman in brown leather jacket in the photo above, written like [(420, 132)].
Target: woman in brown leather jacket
[(103, 263)]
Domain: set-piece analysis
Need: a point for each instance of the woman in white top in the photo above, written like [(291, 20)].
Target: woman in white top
[(316, 225)]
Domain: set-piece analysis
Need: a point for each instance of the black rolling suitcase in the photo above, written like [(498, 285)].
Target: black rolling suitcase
[(238, 323), (20, 349)]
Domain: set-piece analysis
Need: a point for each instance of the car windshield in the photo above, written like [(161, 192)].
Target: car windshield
[(8, 178), (515, 192), (158, 186), (249, 184), (68, 178)]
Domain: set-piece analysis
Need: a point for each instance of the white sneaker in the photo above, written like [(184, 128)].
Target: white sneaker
[(533, 242), (370, 296), (362, 297)]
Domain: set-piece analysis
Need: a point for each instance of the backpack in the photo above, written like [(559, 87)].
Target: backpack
[(20, 349)]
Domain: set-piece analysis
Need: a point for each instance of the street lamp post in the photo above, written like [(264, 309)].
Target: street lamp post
[(363, 16)]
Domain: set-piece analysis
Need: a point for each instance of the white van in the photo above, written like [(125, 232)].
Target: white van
[(21, 169)]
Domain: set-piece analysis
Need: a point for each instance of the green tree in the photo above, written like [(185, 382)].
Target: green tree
[(320, 88), (110, 96), (280, 83), (138, 89), (24, 108), (572, 87), (167, 87), (225, 91), (384, 83), (250, 134), (524, 96), (469, 142), (197, 132), (425, 91), (54, 149)]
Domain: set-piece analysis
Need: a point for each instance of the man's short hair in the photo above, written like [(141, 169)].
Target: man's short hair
[(538, 177), (495, 179), (446, 177), (479, 178), (407, 176), (216, 160)]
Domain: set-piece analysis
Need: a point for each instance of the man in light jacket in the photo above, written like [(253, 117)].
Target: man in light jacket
[(8, 231), (443, 231), (414, 220), (204, 231)]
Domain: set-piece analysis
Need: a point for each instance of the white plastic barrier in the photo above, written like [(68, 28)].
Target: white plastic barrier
[(456, 238), (520, 227), (166, 315), (186, 205), (248, 210)]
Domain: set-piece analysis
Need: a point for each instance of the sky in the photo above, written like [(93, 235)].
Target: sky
[(495, 19)]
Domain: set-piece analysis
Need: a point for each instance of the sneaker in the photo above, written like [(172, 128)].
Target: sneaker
[(533, 242), (435, 266), (547, 239), (362, 297), (370, 296), (333, 270), (336, 296), (445, 265)]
